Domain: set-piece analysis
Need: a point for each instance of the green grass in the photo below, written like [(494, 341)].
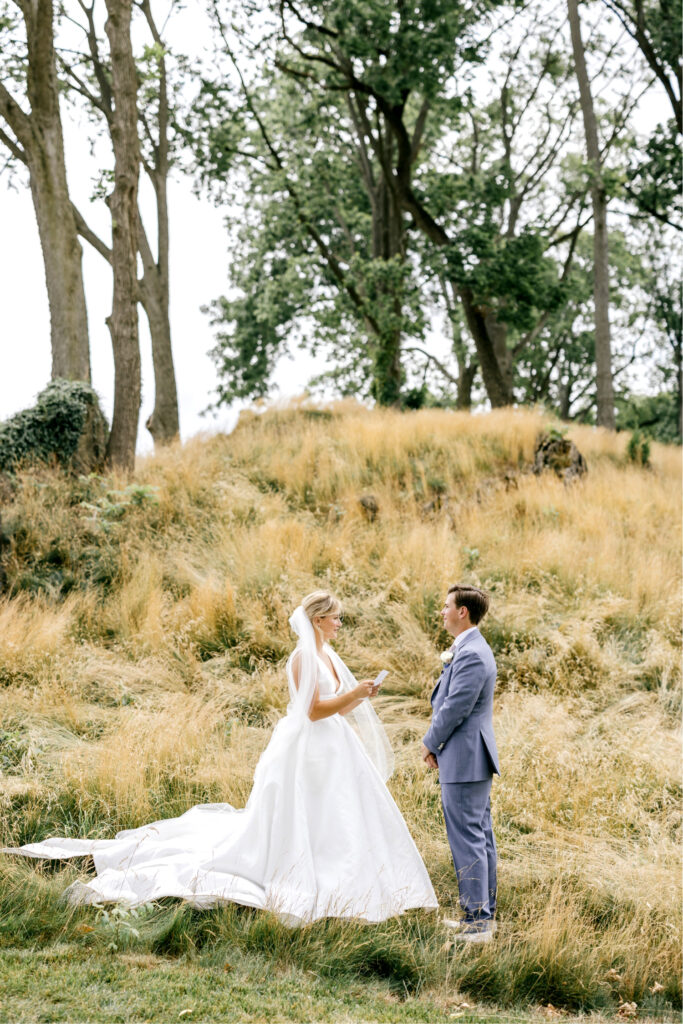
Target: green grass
[(68, 983)]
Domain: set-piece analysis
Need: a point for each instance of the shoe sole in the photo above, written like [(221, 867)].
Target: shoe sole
[(458, 925)]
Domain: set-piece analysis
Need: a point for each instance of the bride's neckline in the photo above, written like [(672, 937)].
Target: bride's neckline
[(332, 673)]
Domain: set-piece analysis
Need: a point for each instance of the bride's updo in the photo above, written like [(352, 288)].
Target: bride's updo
[(322, 603)]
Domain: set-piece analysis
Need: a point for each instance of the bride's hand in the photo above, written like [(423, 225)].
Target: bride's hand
[(366, 688)]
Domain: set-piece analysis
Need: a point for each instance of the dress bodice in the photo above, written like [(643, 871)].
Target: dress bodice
[(327, 683)]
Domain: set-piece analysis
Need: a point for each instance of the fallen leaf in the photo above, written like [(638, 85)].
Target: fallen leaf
[(227, 966), (627, 1011), (83, 929), (184, 1013), (656, 988)]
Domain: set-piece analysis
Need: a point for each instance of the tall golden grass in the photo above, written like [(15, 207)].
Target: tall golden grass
[(143, 640)]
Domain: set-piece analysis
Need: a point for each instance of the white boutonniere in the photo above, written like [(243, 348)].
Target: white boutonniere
[(446, 657)]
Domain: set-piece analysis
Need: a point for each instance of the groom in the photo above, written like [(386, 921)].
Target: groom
[(461, 744)]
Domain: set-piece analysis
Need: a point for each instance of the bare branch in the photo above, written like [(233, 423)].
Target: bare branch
[(418, 130), (79, 86), (85, 231), (15, 117), (433, 359), (13, 146)]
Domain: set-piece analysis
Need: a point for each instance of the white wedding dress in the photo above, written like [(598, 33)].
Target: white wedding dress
[(320, 835)]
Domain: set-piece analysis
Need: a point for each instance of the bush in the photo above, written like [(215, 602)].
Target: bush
[(638, 449), (655, 416), (66, 425)]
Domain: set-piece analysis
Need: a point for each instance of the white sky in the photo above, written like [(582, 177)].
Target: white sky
[(199, 265)]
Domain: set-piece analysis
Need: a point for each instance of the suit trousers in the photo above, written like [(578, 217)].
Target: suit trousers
[(467, 812)]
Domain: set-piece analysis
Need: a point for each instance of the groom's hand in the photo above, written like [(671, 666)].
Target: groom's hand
[(429, 758)]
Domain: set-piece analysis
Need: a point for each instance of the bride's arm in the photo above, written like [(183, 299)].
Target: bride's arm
[(355, 704), (340, 705)]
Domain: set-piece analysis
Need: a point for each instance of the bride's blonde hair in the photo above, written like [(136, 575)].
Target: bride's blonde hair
[(320, 602)]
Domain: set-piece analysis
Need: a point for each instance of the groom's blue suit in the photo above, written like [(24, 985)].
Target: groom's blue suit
[(461, 737)]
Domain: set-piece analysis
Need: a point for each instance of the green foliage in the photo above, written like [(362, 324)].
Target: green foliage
[(653, 416), (342, 90), (655, 180), (395, 48), (119, 924), (638, 449), (52, 429), (309, 261)]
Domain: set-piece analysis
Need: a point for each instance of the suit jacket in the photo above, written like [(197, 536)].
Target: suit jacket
[(461, 730)]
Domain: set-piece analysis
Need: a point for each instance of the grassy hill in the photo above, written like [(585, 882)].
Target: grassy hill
[(142, 645)]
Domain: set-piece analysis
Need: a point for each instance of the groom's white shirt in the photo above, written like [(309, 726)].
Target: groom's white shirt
[(461, 636)]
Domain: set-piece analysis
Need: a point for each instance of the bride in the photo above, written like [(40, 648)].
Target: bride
[(320, 835)]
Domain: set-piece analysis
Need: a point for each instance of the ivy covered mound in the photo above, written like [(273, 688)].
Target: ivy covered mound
[(66, 425)]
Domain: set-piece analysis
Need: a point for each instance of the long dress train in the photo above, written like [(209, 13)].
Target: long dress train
[(320, 836)]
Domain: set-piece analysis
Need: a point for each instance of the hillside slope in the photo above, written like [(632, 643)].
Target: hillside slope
[(142, 639)]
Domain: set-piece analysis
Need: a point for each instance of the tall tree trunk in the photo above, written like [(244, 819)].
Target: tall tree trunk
[(163, 423), (498, 391), (467, 366), (154, 284), (466, 375), (678, 363), (41, 148), (123, 322), (387, 244), (603, 350)]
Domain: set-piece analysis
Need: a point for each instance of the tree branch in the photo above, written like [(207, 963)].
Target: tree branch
[(13, 146), (16, 118), (433, 359), (85, 231)]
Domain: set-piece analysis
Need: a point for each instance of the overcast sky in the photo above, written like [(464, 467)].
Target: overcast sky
[(199, 264)]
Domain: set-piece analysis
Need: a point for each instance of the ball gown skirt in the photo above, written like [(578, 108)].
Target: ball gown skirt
[(320, 836)]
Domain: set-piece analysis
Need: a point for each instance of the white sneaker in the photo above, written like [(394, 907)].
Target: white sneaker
[(457, 924), (475, 933)]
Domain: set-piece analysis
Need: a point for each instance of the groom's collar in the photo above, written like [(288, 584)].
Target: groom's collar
[(463, 636)]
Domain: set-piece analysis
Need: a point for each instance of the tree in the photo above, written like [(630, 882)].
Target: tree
[(655, 25), (654, 180), (558, 370), (35, 138), (89, 76), (603, 353), (397, 67), (317, 230), (123, 203), (386, 48)]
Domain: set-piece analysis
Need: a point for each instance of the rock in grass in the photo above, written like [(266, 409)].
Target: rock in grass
[(369, 506), (559, 455), (65, 425)]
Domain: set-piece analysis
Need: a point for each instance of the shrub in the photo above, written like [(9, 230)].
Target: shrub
[(66, 424), (638, 449)]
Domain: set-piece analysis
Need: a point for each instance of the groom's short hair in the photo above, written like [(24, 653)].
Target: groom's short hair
[(475, 600)]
